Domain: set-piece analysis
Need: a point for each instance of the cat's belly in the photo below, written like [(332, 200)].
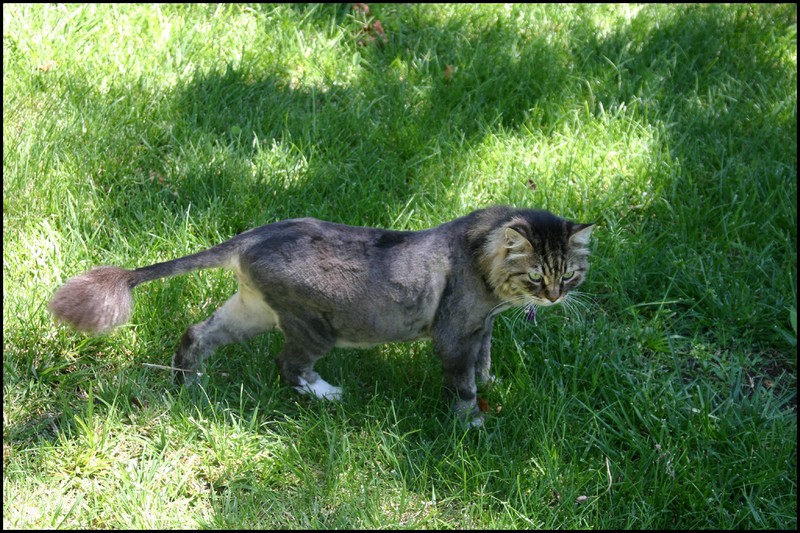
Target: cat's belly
[(391, 323), (346, 343), (384, 321)]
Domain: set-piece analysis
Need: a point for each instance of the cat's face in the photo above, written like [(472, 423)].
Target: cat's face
[(537, 263)]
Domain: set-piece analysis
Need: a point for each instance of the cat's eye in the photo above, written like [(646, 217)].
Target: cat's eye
[(567, 275), (535, 276)]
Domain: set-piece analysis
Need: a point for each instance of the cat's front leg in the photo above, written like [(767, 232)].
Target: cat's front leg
[(459, 357), (483, 363)]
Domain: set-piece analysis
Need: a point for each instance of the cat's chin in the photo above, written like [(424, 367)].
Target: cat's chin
[(544, 302)]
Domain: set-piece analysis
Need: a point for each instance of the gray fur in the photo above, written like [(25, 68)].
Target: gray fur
[(324, 285)]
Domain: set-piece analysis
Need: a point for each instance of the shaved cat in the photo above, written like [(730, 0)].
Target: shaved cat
[(324, 285)]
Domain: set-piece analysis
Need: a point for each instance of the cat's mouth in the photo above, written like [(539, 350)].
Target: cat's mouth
[(544, 302), (530, 308)]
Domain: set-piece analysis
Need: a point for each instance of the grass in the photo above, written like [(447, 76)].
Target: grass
[(134, 134)]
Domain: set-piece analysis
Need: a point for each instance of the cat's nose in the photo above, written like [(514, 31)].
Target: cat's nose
[(553, 295)]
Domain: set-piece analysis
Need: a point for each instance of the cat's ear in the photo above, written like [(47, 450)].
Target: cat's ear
[(515, 240), (581, 233)]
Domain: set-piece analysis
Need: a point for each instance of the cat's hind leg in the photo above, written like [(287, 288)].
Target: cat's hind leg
[(296, 366), (319, 388), (243, 316), (306, 341)]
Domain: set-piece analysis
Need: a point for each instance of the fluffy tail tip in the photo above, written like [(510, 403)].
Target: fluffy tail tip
[(95, 301)]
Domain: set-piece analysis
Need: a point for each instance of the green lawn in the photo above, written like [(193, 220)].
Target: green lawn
[(664, 399)]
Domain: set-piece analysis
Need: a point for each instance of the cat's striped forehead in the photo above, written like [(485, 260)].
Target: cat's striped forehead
[(553, 239)]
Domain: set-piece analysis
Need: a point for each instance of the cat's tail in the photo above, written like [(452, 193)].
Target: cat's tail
[(102, 298)]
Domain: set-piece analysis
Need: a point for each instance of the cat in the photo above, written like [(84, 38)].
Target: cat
[(324, 284)]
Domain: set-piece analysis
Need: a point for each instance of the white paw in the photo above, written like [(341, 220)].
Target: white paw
[(476, 422), (320, 388)]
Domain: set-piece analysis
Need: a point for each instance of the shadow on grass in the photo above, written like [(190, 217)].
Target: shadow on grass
[(434, 90), (382, 124), (405, 109), (716, 87), (393, 122)]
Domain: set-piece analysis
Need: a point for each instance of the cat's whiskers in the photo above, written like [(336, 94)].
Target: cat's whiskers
[(571, 309), (578, 305), (515, 318), (581, 300), (517, 302), (498, 308), (521, 308)]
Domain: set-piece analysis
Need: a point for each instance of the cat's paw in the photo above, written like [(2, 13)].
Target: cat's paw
[(187, 378), (476, 422), (320, 388), (489, 380), (469, 413)]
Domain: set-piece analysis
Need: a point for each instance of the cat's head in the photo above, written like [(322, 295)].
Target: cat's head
[(534, 257)]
